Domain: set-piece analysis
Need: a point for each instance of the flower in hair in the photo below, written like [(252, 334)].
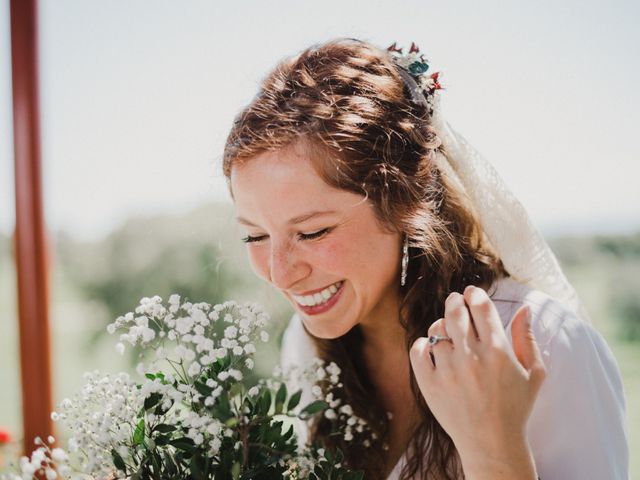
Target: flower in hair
[(416, 65)]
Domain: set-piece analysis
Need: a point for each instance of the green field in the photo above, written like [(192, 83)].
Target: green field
[(76, 316)]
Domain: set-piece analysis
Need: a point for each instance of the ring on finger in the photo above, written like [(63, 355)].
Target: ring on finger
[(434, 339)]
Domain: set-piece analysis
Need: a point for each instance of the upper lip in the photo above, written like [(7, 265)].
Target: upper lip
[(311, 292)]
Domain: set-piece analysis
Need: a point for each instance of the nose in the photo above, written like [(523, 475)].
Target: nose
[(286, 267)]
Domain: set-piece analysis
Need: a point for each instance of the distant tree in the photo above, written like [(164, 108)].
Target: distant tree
[(621, 246)]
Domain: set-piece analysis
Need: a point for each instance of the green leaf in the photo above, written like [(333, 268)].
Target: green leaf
[(223, 405), (118, 462), (235, 471), (294, 400), (264, 403), (313, 408), (236, 389), (150, 376), (353, 475), (328, 455), (138, 434), (184, 443), (164, 428), (152, 400), (288, 433), (203, 389), (161, 440), (231, 422), (281, 396), (198, 466)]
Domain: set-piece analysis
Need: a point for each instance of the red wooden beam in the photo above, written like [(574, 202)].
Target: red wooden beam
[(30, 235)]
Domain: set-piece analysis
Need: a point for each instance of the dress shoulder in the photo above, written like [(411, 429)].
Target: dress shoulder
[(577, 428), (297, 351), (297, 347)]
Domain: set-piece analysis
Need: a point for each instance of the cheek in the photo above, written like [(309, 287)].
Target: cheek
[(259, 260), (338, 255)]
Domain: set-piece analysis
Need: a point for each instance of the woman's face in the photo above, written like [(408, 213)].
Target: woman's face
[(320, 246)]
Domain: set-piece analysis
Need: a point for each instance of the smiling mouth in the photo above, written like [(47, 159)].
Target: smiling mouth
[(318, 298)]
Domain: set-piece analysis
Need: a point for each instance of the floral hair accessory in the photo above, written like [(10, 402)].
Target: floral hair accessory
[(415, 66)]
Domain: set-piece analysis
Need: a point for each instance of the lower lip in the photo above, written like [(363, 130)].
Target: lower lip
[(316, 309)]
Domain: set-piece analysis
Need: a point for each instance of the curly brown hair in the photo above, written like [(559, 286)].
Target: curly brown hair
[(346, 100)]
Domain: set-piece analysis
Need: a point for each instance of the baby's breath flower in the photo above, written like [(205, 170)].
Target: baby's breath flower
[(117, 419), (253, 391), (330, 414)]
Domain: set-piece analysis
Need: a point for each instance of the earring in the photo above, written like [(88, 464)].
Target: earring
[(405, 260)]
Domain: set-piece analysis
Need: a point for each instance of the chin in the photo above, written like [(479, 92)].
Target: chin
[(326, 332)]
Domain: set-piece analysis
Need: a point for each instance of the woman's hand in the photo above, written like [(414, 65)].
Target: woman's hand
[(480, 389)]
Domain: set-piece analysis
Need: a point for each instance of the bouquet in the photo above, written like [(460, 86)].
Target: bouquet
[(191, 413)]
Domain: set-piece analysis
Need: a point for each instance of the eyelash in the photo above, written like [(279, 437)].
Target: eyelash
[(302, 236)]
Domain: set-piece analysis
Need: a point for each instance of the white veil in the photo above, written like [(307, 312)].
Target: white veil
[(524, 252)]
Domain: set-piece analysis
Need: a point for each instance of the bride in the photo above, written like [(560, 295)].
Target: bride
[(412, 266)]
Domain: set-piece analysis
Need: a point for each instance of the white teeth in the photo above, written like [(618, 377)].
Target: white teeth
[(318, 298)]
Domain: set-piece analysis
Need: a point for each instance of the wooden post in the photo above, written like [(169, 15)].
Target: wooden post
[(30, 235)]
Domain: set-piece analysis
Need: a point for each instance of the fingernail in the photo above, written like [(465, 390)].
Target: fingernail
[(528, 316)]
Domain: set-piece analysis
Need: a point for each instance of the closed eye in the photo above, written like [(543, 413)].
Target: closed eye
[(302, 236), (311, 236), (250, 239)]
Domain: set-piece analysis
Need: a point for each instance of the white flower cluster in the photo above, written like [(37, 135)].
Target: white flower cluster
[(102, 415), (105, 415), (201, 402), (45, 462), (192, 328), (325, 385)]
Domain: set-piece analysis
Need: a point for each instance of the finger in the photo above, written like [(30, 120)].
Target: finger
[(458, 323), (525, 346), (441, 353), (423, 367), (485, 316), (437, 328)]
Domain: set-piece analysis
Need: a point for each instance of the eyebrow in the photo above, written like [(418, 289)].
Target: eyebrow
[(299, 219)]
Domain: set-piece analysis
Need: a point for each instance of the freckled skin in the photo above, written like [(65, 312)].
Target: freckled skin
[(274, 187)]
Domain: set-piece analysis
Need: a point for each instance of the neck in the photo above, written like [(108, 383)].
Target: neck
[(383, 336)]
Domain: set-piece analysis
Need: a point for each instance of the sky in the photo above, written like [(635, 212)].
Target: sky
[(137, 98)]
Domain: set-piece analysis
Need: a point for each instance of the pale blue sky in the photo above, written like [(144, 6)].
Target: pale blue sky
[(137, 97)]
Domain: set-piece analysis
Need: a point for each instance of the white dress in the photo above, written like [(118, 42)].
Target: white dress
[(577, 429)]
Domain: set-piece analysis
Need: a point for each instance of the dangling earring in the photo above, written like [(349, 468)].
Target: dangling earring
[(405, 261)]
